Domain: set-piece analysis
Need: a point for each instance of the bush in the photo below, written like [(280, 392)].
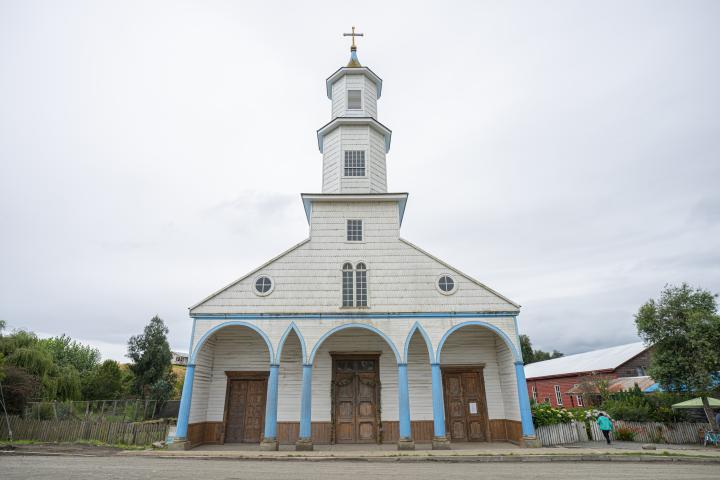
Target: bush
[(632, 409), (625, 434), (545, 414)]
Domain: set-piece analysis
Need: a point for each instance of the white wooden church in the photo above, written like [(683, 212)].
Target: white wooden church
[(354, 335)]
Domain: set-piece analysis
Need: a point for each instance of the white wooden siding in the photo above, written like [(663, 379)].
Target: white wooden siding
[(508, 381), (201, 385), (332, 163), (419, 379), (400, 277), (354, 82), (370, 98), (290, 380)]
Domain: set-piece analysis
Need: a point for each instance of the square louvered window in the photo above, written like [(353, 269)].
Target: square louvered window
[(354, 99), (354, 231), (354, 163)]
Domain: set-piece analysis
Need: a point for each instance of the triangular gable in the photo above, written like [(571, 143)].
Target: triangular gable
[(455, 270), (269, 262)]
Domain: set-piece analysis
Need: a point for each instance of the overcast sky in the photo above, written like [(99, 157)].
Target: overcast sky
[(566, 154)]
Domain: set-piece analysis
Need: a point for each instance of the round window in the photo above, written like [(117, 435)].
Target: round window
[(446, 284), (263, 285)]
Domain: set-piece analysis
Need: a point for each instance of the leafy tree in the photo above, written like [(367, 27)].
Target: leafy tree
[(105, 382), (151, 356), (684, 327), (19, 387), (531, 356), (67, 351)]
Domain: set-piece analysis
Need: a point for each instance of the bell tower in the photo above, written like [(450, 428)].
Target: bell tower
[(354, 143)]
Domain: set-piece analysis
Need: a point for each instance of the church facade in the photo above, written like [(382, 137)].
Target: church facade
[(354, 335)]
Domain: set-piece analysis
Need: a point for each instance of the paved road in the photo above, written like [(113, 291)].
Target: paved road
[(130, 468)]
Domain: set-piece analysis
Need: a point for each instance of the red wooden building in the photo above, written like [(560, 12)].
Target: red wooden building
[(550, 381)]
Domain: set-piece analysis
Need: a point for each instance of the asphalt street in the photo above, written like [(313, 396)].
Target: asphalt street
[(129, 468)]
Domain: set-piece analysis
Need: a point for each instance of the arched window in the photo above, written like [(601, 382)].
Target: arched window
[(361, 285), (347, 285), (354, 285)]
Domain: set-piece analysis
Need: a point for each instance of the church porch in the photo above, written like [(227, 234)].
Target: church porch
[(350, 389)]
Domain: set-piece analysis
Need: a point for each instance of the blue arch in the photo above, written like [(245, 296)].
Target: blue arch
[(231, 324), (290, 328), (478, 323), (419, 328), (354, 325)]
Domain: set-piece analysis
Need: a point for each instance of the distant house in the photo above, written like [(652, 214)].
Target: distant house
[(568, 381), (180, 358)]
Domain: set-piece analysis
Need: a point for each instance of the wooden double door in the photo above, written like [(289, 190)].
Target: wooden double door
[(245, 407), (465, 405), (356, 397)]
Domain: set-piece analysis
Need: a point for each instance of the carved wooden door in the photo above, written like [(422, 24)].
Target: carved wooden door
[(355, 402), (465, 406), (245, 411)]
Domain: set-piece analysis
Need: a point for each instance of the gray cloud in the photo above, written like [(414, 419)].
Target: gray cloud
[(565, 154)]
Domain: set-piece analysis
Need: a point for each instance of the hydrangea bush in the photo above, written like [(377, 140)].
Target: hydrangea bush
[(546, 414)]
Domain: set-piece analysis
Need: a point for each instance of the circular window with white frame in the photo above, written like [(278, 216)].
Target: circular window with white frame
[(446, 284), (263, 285)]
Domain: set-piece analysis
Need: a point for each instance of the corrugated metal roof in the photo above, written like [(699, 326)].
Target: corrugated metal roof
[(615, 385), (604, 359)]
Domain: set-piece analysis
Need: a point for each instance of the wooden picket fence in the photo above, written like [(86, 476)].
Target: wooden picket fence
[(71, 430), (654, 432), (561, 433)]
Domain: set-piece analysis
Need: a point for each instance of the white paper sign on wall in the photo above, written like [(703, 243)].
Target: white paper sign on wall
[(473, 408)]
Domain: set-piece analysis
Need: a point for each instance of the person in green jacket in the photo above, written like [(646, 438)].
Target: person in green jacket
[(605, 425)]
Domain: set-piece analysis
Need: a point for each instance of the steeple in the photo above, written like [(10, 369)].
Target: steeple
[(354, 142), (354, 62)]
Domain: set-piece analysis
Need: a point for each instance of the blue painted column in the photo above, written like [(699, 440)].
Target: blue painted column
[(437, 400), (404, 401), (528, 430), (185, 400), (270, 433), (306, 404)]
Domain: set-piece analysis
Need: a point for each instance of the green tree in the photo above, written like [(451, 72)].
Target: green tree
[(684, 327), (151, 361), (67, 351), (105, 382), (531, 356)]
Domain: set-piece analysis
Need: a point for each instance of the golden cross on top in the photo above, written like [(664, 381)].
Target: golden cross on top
[(353, 35)]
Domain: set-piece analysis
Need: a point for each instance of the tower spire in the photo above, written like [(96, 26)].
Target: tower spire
[(354, 62)]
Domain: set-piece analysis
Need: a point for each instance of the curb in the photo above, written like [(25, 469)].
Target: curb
[(646, 458)]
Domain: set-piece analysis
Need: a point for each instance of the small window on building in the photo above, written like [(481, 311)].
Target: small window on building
[(640, 371), (558, 395), (534, 393), (354, 163), (263, 285), (347, 285), (579, 400), (354, 99), (446, 284), (354, 231), (361, 285)]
